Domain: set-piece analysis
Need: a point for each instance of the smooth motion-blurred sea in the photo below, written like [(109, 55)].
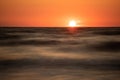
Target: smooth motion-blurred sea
[(60, 53)]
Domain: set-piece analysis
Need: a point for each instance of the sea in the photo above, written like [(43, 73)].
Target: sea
[(59, 53)]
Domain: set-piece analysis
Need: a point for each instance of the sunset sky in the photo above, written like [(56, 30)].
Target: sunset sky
[(59, 12)]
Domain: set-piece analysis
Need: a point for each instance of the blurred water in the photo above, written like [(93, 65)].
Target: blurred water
[(59, 53)]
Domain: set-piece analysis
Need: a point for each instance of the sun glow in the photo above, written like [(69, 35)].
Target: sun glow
[(72, 23)]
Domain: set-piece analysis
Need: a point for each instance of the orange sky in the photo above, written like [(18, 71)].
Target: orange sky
[(59, 12)]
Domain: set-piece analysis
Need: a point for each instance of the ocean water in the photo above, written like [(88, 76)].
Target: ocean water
[(60, 53)]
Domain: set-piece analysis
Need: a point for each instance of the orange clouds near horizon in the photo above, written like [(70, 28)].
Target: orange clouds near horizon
[(59, 12)]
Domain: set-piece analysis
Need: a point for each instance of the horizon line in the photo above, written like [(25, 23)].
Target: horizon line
[(57, 26)]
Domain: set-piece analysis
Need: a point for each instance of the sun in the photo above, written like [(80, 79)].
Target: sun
[(72, 23)]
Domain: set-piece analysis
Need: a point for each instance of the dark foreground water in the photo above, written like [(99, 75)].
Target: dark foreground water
[(59, 53)]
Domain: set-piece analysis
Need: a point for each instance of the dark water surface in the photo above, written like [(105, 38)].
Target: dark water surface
[(59, 53)]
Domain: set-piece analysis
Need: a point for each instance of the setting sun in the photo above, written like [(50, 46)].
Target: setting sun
[(72, 23)]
